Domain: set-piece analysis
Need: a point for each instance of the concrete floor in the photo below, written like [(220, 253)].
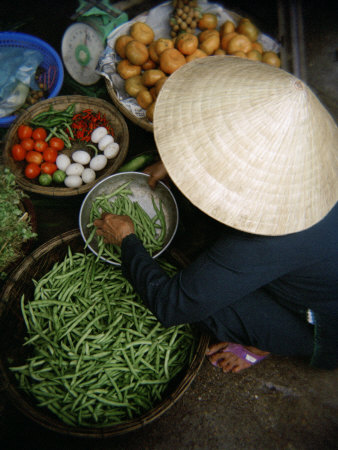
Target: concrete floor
[(279, 404)]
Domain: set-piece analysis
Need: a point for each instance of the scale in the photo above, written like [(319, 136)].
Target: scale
[(84, 41)]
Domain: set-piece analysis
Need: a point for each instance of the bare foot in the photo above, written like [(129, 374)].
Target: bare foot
[(234, 357)]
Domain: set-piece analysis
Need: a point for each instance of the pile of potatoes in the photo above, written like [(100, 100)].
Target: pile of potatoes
[(146, 63)]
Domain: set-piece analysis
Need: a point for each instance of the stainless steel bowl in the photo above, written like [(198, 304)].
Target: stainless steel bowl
[(142, 193)]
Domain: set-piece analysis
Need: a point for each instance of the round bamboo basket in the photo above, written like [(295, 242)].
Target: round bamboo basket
[(116, 120), (12, 332), (142, 122)]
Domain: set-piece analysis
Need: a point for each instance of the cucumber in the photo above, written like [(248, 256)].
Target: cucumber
[(137, 163)]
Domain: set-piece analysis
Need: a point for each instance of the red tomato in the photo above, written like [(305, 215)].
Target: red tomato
[(24, 131), (39, 134), (56, 143), (48, 167), (32, 170), (40, 146), (34, 157), (27, 144), (50, 154), (18, 152)]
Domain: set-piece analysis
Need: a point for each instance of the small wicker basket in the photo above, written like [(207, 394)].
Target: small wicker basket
[(116, 120), (12, 332)]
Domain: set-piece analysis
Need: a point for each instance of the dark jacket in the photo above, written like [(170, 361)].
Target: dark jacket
[(298, 270)]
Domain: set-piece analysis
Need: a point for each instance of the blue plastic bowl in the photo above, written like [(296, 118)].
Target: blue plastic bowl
[(50, 59)]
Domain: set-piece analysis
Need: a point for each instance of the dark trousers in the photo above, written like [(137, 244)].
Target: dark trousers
[(260, 321)]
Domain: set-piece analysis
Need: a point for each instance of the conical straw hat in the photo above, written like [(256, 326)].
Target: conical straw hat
[(248, 144)]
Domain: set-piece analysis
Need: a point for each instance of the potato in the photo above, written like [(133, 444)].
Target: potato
[(142, 32), (150, 77), (136, 53), (126, 70)]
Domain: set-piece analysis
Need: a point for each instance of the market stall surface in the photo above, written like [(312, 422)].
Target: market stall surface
[(280, 403)]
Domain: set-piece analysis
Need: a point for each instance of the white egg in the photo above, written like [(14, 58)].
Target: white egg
[(75, 169), (81, 156), (62, 162), (99, 162), (73, 181), (106, 140), (88, 175), (111, 150), (98, 134)]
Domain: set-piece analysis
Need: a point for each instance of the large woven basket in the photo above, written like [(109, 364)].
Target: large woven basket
[(142, 122), (116, 120), (12, 332)]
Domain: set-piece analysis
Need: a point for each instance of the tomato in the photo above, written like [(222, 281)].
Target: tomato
[(45, 179), (40, 146), (59, 176), (32, 170), (56, 143), (48, 167), (24, 131), (39, 134), (18, 152), (27, 144), (34, 157), (50, 154)]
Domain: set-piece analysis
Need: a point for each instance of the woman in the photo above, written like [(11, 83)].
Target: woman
[(252, 147)]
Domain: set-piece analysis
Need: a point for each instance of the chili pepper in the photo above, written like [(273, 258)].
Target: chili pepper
[(85, 122)]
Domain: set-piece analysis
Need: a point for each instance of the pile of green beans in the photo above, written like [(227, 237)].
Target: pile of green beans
[(56, 122), (150, 230), (98, 356)]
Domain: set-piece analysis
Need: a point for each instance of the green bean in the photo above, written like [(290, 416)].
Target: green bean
[(91, 335)]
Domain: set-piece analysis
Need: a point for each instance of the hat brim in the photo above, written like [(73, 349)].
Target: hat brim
[(248, 144)]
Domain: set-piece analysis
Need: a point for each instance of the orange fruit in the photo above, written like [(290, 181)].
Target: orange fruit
[(142, 32), (121, 43), (247, 28), (240, 54), (227, 27), (136, 53), (239, 43), (219, 51), (159, 84), (150, 77), (197, 54), (208, 21), (163, 44), (152, 52), (144, 98), (150, 64), (206, 34), (226, 39), (126, 70), (171, 59), (257, 46), (186, 43), (133, 85), (271, 58), (150, 112), (210, 45), (255, 55)]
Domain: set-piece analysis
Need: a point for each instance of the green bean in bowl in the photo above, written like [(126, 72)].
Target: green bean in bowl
[(154, 213)]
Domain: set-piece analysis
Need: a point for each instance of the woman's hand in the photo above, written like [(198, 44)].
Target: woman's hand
[(114, 228), (157, 173)]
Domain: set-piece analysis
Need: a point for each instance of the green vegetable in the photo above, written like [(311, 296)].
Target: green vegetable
[(151, 231), (45, 179), (137, 163), (59, 176), (97, 355), (15, 226)]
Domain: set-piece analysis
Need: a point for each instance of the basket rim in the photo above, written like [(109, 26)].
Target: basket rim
[(54, 191), (54, 424)]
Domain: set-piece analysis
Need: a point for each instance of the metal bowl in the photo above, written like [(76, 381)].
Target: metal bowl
[(141, 193)]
